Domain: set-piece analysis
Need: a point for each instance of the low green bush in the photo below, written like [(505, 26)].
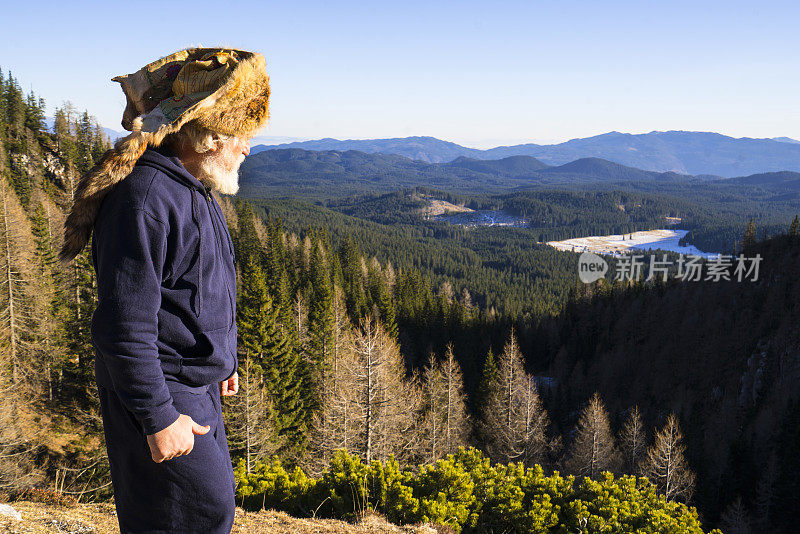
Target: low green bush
[(467, 492)]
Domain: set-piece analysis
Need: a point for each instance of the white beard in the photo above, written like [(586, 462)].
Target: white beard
[(214, 174)]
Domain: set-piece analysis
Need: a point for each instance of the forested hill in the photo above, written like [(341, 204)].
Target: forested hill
[(682, 152), (304, 173), (715, 210), (723, 355), (329, 174)]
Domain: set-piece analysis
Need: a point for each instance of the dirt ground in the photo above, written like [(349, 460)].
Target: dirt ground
[(100, 519)]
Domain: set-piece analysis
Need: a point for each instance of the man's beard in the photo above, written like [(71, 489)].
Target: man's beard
[(213, 173)]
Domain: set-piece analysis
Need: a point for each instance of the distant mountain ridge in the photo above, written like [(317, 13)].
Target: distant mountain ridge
[(428, 149), (786, 140), (332, 173), (693, 153)]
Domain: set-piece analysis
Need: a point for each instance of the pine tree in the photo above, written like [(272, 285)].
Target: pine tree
[(794, 228), (34, 114), (248, 244), (749, 238), (320, 321), (594, 449), (350, 259), (261, 336), (43, 239), (14, 110), (82, 294), (381, 295), (99, 144), (489, 379), (83, 141), (49, 287), (61, 129)]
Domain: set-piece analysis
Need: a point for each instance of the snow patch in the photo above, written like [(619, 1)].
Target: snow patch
[(618, 244)]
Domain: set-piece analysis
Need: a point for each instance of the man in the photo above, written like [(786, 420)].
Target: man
[(164, 329)]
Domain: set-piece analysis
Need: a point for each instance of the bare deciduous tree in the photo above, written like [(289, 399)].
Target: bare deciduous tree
[(385, 404), (20, 323), (593, 449), (369, 408), (334, 425), (249, 417), (445, 421), (513, 423), (633, 441), (735, 519), (666, 464)]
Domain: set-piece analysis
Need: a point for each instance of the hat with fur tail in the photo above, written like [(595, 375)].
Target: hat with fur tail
[(221, 89)]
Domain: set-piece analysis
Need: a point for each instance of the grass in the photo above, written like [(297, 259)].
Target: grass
[(100, 518)]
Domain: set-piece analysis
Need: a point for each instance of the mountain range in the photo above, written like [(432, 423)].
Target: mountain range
[(331, 173), (693, 153)]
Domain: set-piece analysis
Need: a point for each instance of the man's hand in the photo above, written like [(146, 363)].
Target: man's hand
[(230, 386), (176, 439)]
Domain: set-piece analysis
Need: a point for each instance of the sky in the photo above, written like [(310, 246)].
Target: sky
[(480, 74)]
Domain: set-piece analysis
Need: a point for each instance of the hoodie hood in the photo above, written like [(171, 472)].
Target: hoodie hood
[(114, 166), (163, 159)]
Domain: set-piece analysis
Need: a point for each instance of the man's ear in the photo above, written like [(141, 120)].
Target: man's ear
[(216, 144)]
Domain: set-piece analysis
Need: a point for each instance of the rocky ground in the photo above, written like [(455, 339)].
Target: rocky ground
[(100, 518)]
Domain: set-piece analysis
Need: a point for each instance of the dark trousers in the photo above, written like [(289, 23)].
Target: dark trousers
[(189, 493)]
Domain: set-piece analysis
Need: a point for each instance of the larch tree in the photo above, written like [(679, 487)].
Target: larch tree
[(18, 293), (513, 423), (250, 416), (666, 465), (633, 441), (21, 314), (385, 403), (593, 449), (445, 423), (334, 424), (18, 465)]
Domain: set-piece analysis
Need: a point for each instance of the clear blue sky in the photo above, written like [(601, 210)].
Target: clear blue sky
[(476, 73)]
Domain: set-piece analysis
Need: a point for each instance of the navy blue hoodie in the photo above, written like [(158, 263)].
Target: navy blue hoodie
[(166, 285)]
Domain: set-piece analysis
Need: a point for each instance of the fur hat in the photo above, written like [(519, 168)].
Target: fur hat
[(220, 89)]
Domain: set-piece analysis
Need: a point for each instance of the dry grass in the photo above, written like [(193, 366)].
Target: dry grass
[(100, 519), (440, 207)]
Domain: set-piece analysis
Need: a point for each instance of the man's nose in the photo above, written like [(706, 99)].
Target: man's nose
[(246, 150)]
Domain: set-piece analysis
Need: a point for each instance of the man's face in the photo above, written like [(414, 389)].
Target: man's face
[(219, 168)]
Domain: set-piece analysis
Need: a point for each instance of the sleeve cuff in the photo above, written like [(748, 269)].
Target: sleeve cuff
[(159, 419), (235, 367)]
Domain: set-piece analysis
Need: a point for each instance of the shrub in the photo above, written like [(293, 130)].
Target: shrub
[(465, 492)]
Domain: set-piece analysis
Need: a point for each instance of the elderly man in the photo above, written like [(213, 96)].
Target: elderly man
[(164, 330)]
